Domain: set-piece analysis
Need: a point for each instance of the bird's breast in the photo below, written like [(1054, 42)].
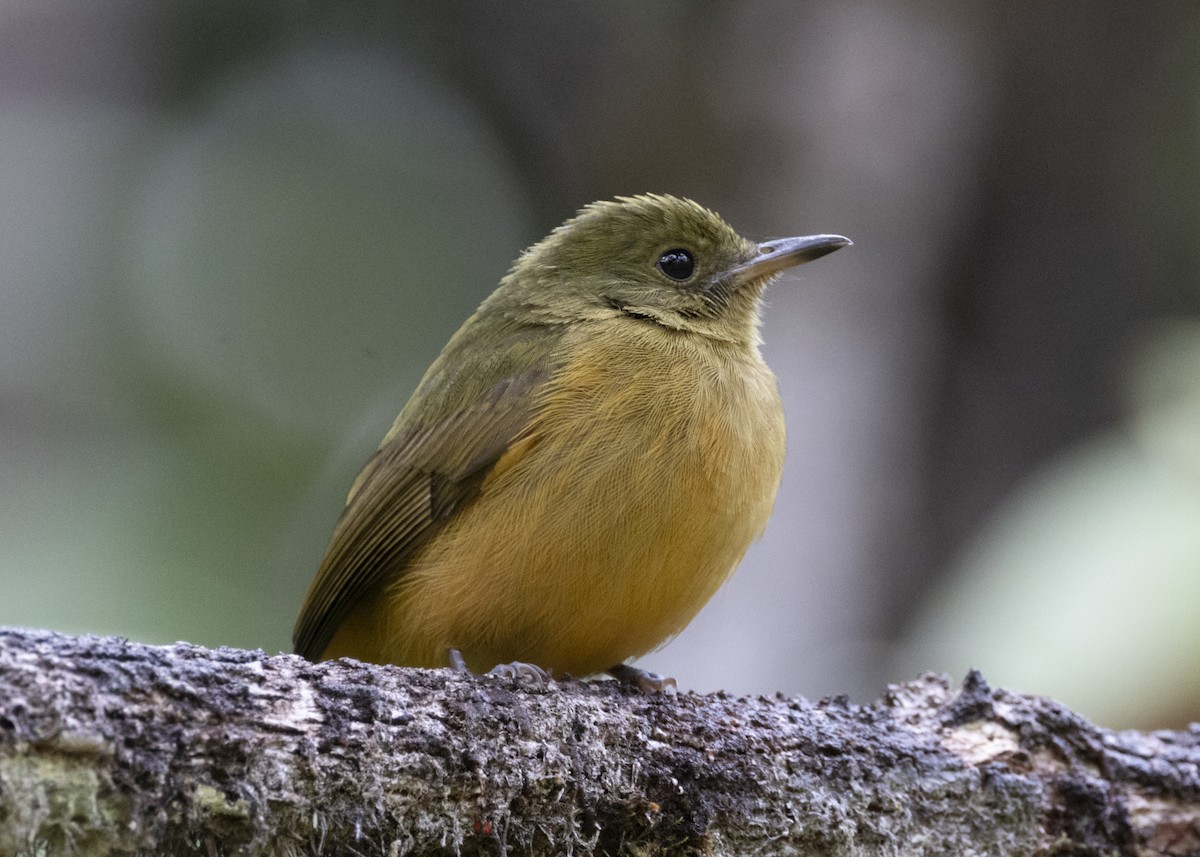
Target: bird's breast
[(651, 463)]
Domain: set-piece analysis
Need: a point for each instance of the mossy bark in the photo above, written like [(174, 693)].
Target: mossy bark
[(112, 747)]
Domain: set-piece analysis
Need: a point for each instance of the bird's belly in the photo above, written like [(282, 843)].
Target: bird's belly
[(627, 504)]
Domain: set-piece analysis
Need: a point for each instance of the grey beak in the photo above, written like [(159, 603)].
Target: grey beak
[(780, 253)]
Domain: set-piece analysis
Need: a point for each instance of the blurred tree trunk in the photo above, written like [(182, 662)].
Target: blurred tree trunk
[(1083, 211)]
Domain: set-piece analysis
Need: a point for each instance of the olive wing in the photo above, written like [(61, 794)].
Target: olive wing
[(461, 420)]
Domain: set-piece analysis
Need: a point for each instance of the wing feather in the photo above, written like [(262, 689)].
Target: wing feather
[(464, 415)]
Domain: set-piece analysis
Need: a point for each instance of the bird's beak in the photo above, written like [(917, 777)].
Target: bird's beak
[(776, 255)]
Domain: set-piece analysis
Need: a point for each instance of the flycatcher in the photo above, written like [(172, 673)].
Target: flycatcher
[(584, 464)]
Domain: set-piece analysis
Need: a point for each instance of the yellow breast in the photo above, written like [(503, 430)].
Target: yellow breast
[(652, 464)]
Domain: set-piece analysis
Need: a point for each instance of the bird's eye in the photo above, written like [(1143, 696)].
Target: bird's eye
[(677, 264)]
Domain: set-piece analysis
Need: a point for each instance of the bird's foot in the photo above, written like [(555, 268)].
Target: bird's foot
[(645, 681), (529, 675)]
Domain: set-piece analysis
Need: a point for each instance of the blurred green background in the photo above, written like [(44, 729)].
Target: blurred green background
[(232, 237)]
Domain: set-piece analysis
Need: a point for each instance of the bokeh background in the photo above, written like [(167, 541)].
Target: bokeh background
[(232, 236)]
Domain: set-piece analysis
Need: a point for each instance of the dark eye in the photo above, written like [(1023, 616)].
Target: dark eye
[(677, 264)]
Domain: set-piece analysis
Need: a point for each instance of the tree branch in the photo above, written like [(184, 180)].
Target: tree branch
[(112, 747)]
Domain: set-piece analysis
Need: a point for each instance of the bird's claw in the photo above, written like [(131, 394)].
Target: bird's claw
[(643, 680), (529, 675)]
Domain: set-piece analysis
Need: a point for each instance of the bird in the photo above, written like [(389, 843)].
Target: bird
[(583, 465)]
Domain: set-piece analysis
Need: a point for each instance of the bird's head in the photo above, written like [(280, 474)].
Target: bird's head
[(660, 259)]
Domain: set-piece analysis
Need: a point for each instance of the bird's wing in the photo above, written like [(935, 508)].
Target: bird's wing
[(467, 411)]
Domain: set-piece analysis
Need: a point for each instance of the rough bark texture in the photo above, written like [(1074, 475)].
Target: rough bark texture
[(112, 747)]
